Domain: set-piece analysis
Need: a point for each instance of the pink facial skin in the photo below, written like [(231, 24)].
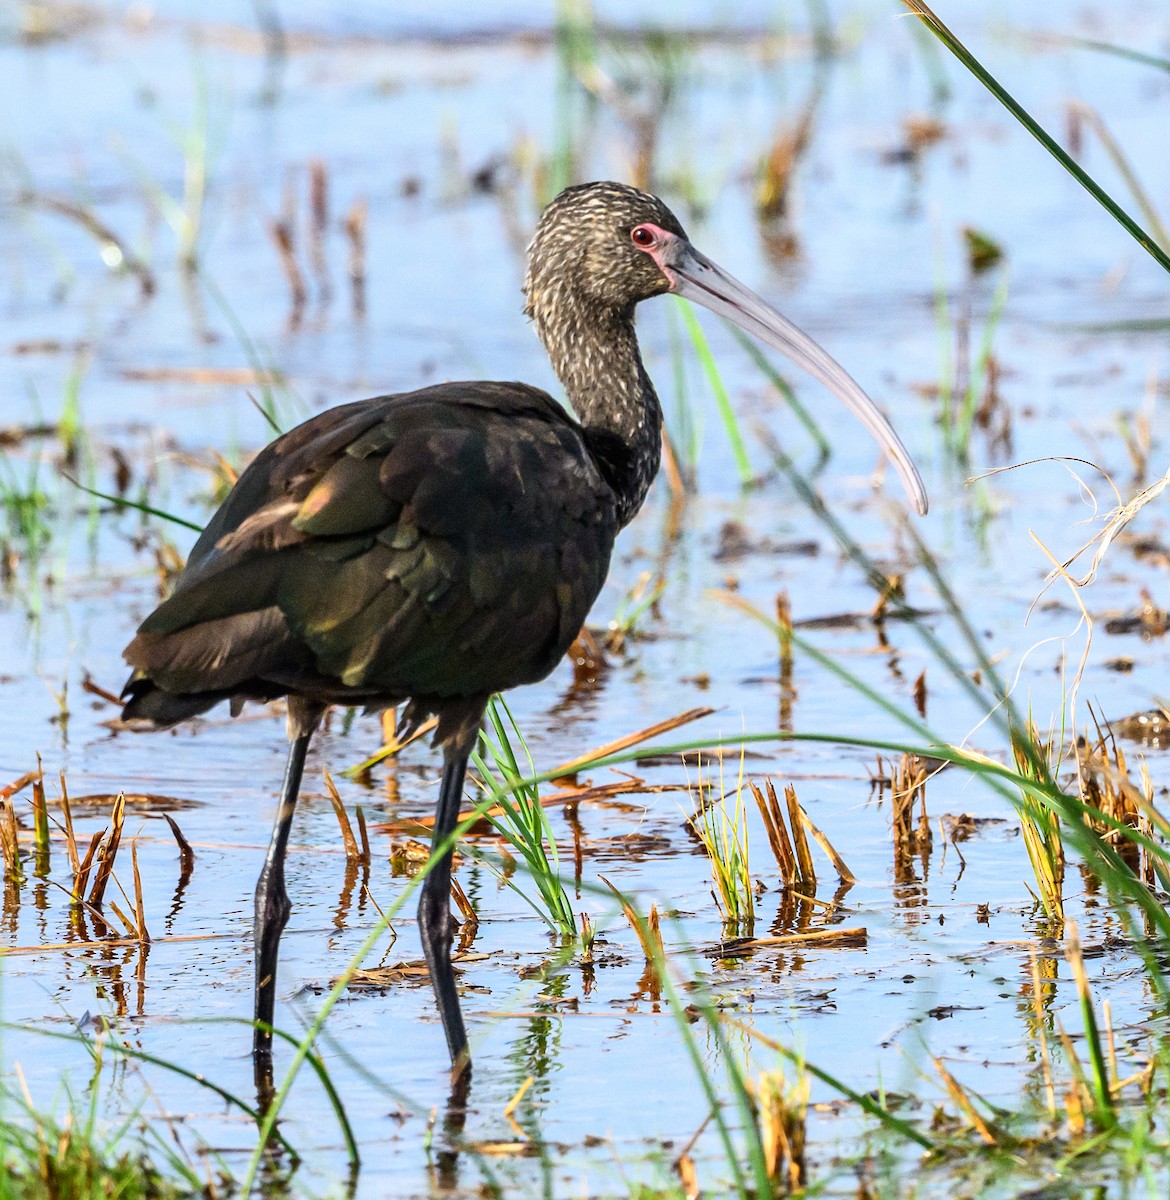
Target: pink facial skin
[(657, 242)]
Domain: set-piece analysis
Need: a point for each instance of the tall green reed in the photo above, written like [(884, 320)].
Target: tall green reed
[(972, 63)]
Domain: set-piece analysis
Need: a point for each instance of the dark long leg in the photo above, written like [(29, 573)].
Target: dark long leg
[(272, 904), (434, 912)]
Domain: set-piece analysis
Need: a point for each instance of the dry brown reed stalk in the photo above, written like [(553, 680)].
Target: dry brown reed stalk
[(649, 934), (352, 851), (776, 172), (106, 943), (391, 745), (318, 225), (67, 823), (573, 797), (784, 628), (464, 905), (108, 853), (135, 924), (186, 854), (139, 905), (88, 683), (632, 739), (1105, 785), (40, 811), (784, 621), (856, 935), (284, 237), (632, 785), (20, 784), (588, 938), (791, 853), (88, 220), (958, 1093), (356, 221), (688, 1177), (395, 745), (781, 1109), (778, 165), (907, 785), (1081, 114), (890, 587), (84, 867), (131, 929), (793, 856), (10, 844)]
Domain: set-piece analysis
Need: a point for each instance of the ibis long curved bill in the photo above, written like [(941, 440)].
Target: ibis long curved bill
[(696, 277)]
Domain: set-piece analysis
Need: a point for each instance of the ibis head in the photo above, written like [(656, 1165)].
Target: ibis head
[(601, 248)]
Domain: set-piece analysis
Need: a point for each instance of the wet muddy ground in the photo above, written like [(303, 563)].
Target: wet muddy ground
[(132, 136)]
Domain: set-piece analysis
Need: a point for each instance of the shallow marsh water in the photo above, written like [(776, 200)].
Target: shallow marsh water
[(425, 116)]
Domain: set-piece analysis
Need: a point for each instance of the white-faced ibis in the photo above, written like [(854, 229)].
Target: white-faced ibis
[(434, 547)]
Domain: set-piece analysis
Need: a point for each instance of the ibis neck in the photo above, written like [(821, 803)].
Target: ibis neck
[(614, 400)]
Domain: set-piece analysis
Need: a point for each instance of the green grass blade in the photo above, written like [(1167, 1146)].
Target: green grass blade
[(267, 1125), (266, 375), (1129, 325), (318, 1064), (132, 1052), (1106, 1113), (722, 400), (865, 1103), (525, 824), (979, 370), (1137, 56), (765, 367), (678, 1011), (1128, 174), (121, 502)]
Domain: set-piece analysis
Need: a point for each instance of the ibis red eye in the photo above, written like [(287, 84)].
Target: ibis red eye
[(643, 237)]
